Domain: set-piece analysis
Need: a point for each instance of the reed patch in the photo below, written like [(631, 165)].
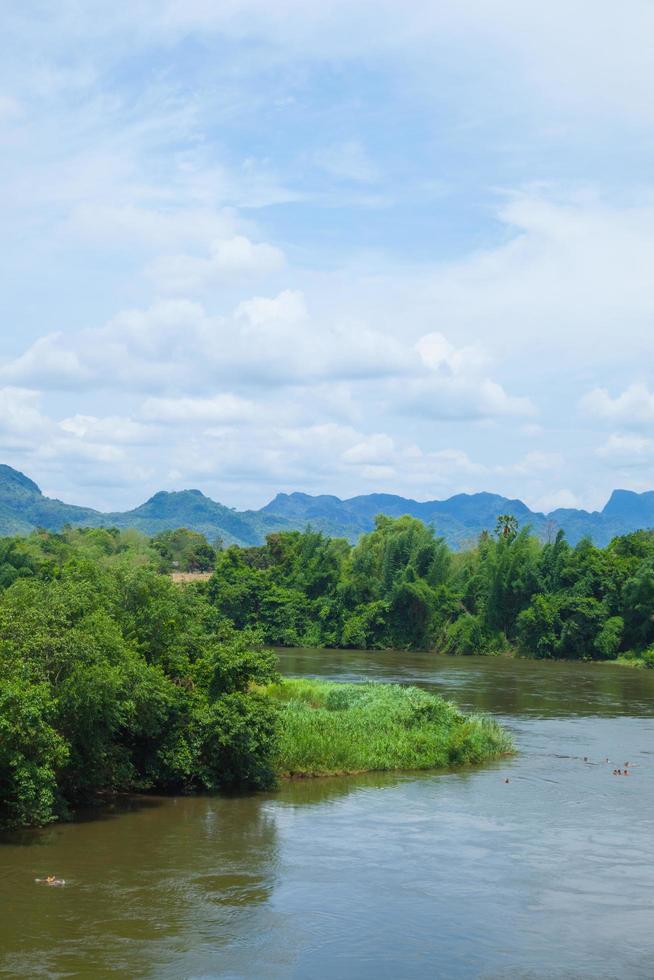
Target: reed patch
[(330, 728)]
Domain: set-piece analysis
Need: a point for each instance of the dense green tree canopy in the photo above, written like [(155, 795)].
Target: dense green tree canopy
[(401, 586), (116, 679)]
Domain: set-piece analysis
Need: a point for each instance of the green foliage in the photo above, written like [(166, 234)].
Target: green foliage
[(401, 587), (609, 639), (184, 550), (31, 752), (115, 679), (340, 728)]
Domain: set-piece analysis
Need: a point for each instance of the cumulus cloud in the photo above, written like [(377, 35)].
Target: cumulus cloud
[(626, 449), (633, 406), (232, 261), (27, 430), (219, 408), (534, 462), (21, 421), (270, 342), (569, 273), (436, 352), (110, 429), (556, 499), (377, 449), (454, 384)]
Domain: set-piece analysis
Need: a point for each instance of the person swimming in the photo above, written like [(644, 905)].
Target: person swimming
[(51, 880)]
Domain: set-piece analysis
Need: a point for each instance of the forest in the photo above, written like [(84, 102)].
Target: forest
[(115, 677), (402, 587)]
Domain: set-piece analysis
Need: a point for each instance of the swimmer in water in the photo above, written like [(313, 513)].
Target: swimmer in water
[(51, 880)]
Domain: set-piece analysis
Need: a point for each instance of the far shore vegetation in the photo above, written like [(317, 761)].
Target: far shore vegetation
[(134, 663), (401, 587)]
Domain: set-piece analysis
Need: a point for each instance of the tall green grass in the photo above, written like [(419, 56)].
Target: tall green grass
[(329, 728)]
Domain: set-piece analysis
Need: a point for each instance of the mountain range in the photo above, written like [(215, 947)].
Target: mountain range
[(459, 519)]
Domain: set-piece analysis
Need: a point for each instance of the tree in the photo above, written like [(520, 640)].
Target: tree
[(507, 526)]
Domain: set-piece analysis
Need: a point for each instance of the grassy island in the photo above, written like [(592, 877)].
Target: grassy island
[(330, 728)]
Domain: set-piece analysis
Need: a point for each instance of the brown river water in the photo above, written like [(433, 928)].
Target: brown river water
[(378, 877)]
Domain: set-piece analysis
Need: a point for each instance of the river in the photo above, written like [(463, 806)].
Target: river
[(378, 877)]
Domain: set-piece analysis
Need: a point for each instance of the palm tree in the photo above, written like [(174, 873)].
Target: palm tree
[(506, 527)]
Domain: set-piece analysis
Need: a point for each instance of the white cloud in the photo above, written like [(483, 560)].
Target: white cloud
[(269, 342), (112, 429), (460, 398), (263, 312), (558, 498), (625, 449), (26, 429), (569, 274), (50, 362), (21, 421), (534, 462), (219, 408), (633, 406), (347, 161), (160, 228), (232, 261), (593, 57), (377, 449), (455, 384), (437, 353)]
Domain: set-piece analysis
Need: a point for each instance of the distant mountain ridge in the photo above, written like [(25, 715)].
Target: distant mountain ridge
[(459, 519)]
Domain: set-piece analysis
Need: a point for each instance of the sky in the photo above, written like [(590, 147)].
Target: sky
[(336, 247)]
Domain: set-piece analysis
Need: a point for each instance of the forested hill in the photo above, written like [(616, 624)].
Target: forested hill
[(460, 519)]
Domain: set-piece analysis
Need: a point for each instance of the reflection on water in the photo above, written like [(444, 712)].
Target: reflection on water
[(379, 876), (498, 685), (169, 874)]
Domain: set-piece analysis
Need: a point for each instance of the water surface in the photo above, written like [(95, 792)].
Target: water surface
[(382, 876)]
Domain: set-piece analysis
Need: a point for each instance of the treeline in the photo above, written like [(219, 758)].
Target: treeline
[(399, 587), (402, 587), (115, 679)]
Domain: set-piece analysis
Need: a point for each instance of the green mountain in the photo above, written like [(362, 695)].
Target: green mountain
[(190, 508), (459, 519), (23, 507)]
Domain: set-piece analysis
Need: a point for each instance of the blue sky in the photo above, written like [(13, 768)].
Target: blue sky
[(340, 248)]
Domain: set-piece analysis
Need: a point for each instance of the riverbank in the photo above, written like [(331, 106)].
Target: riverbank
[(639, 660), (339, 729)]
